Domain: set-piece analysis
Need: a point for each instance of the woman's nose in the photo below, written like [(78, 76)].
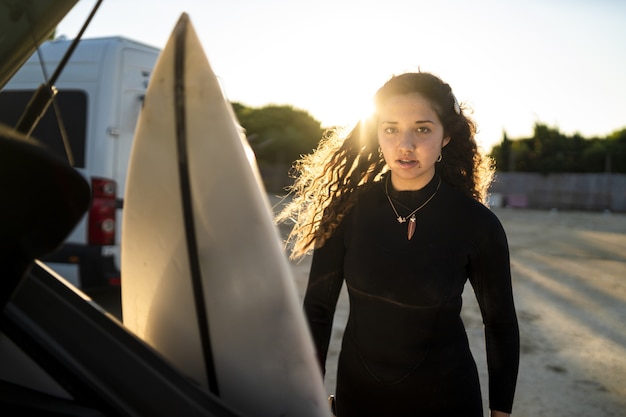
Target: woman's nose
[(407, 141)]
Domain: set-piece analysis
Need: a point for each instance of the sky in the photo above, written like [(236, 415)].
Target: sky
[(514, 63)]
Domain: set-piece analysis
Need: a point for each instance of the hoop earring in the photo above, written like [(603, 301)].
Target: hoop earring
[(380, 153), (440, 158)]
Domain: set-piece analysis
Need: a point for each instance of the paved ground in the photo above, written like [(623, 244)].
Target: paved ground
[(569, 277)]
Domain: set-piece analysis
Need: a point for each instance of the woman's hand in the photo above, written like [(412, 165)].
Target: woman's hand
[(496, 413)]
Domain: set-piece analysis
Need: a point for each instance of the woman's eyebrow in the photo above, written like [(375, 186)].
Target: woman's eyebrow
[(415, 122)]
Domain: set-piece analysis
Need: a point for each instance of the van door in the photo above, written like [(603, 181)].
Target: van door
[(136, 69)]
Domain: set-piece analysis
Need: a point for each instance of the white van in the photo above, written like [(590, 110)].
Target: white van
[(100, 94)]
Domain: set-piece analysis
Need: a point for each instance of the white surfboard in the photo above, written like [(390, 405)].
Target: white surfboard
[(205, 280)]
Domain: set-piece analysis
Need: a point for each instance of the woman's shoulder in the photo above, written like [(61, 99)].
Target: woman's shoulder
[(469, 208), (364, 198), (369, 190)]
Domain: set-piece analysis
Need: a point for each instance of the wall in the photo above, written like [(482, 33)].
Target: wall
[(561, 191)]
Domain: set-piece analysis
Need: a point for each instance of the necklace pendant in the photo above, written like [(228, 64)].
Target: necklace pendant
[(411, 227)]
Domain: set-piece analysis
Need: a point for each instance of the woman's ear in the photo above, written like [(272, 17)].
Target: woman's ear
[(446, 140)]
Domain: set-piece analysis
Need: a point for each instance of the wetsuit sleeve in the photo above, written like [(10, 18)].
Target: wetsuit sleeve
[(490, 276), (322, 293)]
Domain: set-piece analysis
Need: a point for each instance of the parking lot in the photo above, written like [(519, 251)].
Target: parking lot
[(569, 277)]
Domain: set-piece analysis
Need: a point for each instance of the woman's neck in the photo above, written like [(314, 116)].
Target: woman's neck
[(411, 184)]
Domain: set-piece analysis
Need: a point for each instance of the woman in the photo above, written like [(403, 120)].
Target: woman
[(395, 210)]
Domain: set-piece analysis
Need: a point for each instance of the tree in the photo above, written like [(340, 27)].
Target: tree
[(616, 150), (279, 134), (595, 157), (502, 153), (550, 151)]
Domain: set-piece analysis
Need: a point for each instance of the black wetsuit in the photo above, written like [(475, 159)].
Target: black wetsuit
[(405, 351)]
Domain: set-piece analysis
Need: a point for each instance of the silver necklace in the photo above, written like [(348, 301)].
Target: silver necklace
[(410, 216)]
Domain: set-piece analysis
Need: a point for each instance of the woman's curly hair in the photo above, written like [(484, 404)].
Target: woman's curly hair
[(326, 180)]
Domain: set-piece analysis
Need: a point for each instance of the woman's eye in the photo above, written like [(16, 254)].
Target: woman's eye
[(390, 130), (422, 129)]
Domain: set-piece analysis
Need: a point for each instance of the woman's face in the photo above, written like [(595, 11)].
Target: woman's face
[(410, 136)]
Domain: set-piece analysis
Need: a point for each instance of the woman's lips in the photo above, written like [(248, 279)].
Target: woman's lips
[(407, 163)]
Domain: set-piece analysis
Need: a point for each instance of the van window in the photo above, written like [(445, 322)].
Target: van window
[(72, 105)]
